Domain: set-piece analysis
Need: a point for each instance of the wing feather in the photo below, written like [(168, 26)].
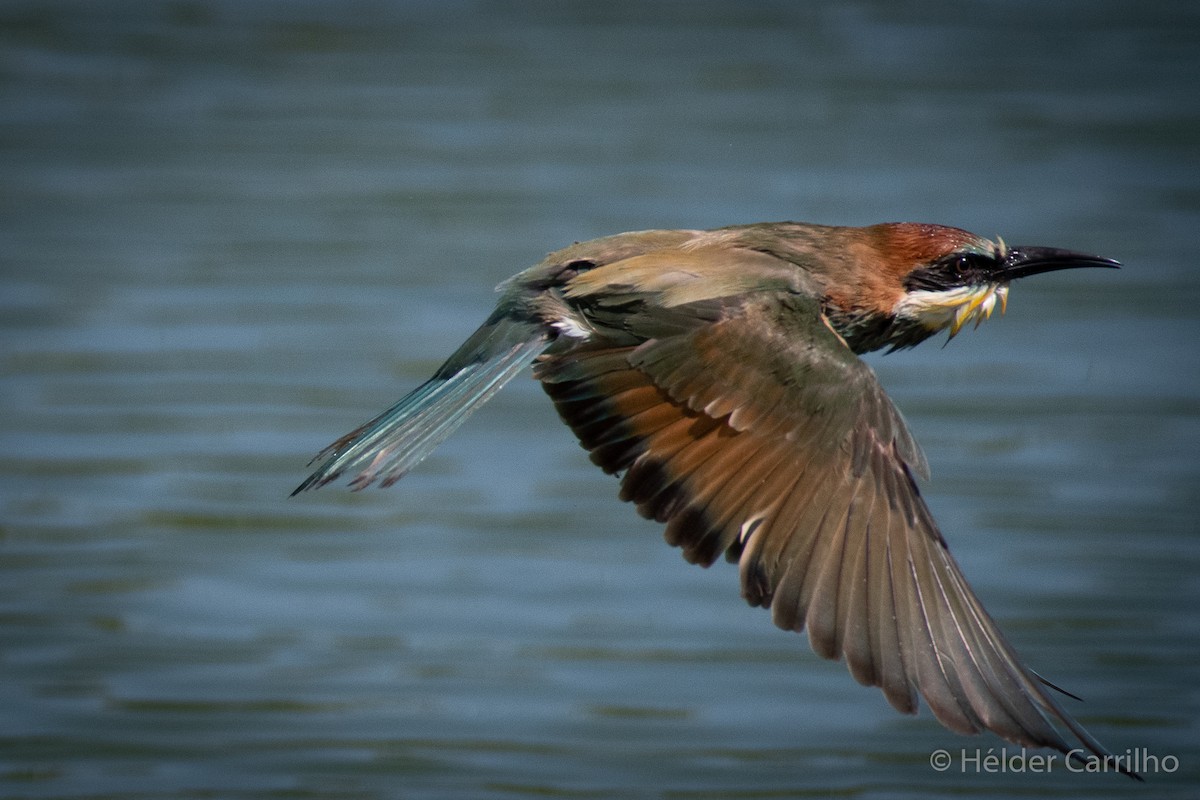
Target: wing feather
[(756, 432)]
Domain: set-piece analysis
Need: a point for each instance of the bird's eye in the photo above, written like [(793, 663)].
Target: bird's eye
[(971, 265), (951, 271)]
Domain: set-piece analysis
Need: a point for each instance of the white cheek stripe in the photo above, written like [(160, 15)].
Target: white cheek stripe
[(953, 308)]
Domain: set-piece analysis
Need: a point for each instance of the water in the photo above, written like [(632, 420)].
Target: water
[(229, 232)]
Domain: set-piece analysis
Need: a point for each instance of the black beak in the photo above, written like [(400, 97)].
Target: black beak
[(1021, 262)]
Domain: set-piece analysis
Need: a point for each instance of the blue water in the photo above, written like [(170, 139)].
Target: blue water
[(229, 232)]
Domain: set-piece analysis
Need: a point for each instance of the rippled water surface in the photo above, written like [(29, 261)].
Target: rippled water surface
[(229, 232)]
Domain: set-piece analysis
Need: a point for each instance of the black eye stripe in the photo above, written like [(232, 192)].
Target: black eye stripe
[(973, 261), (951, 271)]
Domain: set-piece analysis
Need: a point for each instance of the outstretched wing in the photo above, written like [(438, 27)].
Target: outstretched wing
[(757, 433)]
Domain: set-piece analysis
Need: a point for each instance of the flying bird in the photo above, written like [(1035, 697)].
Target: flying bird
[(718, 373)]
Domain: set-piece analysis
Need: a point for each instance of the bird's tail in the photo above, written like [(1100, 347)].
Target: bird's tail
[(390, 445)]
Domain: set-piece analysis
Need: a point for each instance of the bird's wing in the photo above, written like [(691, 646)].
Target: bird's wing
[(759, 434)]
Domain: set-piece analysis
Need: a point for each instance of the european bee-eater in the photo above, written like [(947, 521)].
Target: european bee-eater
[(718, 373)]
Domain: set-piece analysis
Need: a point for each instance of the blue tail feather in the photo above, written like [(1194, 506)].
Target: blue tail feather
[(387, 447)]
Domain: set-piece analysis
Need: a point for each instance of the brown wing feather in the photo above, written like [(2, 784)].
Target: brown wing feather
[(758, 434)]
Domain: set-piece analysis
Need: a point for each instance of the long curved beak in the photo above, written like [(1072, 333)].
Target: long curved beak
[(1021, 261)]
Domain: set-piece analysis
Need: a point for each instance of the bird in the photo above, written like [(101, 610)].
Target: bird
[(718, 374)]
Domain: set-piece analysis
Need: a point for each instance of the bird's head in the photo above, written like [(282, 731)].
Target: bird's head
[(935, 278)]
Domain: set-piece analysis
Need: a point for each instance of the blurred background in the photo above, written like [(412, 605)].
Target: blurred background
[(232, 231)]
